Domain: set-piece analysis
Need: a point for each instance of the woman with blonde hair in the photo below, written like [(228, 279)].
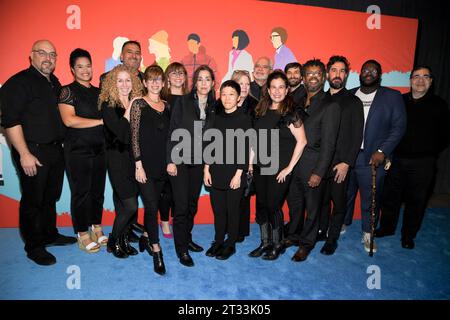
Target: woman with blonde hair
[(119, 87)]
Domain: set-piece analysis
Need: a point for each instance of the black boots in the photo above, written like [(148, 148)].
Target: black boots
[(125, 245), (277, 235), (144, 244), (158, 262), (115, 248), (266, 241)]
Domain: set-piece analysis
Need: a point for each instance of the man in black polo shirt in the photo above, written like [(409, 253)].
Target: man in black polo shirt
[(348, 143), (29, 108), (410, 177), (293, 72)]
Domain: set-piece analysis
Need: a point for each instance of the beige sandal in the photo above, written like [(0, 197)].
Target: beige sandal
[(92, 247), (102, 240)]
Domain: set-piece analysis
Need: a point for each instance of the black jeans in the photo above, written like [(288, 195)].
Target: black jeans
[(37, 211), (151, 194), (125, 211), (408, 181), (186, 187), (86, 173), (225, 205), (166, 201), (244, 216)]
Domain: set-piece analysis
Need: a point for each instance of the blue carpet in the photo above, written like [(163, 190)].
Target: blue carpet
[(422, 273)]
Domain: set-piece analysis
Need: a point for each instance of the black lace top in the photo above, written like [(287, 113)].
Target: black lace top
[(149, 134)]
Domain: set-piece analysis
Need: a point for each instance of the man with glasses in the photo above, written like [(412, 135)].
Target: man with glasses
[(283, 55), (384, 126), (29, 108), (261, 70), (306, 190), (413, 165)]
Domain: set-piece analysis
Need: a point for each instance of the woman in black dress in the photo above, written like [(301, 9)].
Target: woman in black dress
[(185, 164), (226, 179), (275, 111), (118, 88), (149, 120), (84, 152)]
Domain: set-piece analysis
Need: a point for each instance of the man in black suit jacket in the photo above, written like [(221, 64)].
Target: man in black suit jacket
[(321, 127), (347, 147), (293, 72)]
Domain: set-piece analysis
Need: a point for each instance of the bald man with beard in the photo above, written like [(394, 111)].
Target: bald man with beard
[(29, 113)]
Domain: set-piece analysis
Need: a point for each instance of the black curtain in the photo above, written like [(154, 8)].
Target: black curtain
[(432, 48)]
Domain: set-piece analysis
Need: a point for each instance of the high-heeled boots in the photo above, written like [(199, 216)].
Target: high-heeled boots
[(277, 235), (158, 262), (114, 247), (144, 244), (266, 241), (126, 246)]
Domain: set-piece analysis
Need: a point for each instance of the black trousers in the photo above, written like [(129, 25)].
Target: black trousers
[(302, 197), (151, 194), (225, 205), (37, 210), (408, 181), (166, 201), (125, 211), (186, 187), (244, 216), (335, 193), (86, 173), (270, 196)]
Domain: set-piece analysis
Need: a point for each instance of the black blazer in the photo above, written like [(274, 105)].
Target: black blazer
[(184, 114), (321, 129)]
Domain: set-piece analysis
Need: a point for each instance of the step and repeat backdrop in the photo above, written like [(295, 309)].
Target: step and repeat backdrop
[(162, 28)]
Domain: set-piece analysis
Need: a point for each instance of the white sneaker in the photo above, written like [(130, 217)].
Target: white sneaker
[(366, 240)]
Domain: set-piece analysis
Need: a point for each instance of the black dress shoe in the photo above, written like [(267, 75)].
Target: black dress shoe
[(132, 237), (226, 253), (262, 248), (214, 249), (274, 253), (186, 260), (321, 236), (380, 233), (62, 240), (289, 243), (329, 248), (301, 254), (408, 243), (41, 257), (194, 247)]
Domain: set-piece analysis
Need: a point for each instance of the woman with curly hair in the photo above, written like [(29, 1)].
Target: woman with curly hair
[(119, 87)]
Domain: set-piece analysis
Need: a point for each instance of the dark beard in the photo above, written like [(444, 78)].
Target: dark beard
[(336, 86)]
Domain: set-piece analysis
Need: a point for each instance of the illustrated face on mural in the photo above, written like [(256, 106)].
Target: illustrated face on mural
[(235, 41), (193, 46), (337, 75), (261, 69), (131, 56), (314, 79), (276, 40), (370, 75), (43, 57), (229, 98), (278, 90), (204, 83), (177, 78), (294, 76), (82, 70), (124, 84), (421, 81)]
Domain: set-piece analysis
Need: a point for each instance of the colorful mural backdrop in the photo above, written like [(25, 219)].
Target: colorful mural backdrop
[(162, 28)]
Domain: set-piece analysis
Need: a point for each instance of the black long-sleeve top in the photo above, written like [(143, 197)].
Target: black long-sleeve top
[(427, 127), (185, 113), (29, 99), (116, 128), (149, 132), (222, 173), (351, 127)]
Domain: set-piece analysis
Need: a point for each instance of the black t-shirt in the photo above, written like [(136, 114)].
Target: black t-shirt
[(84, 100)]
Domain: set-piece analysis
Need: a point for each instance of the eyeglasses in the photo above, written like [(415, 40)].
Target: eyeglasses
[(177, 73), (315, 73), (374, 72), (155, 80), (273, 36), (418, 76), (43, 54)]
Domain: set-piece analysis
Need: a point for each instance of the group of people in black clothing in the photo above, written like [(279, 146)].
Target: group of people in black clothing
[(308, 147)]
